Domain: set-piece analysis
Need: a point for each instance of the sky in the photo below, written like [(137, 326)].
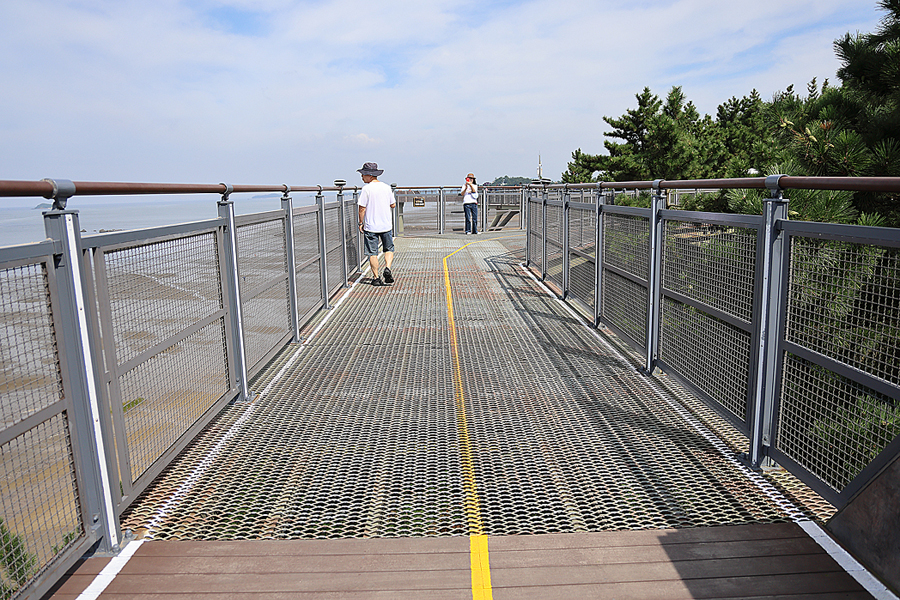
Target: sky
[(304, 92)]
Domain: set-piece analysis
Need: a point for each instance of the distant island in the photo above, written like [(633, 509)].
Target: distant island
[(43, 206)]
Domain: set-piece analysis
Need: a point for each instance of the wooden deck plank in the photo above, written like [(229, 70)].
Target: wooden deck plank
[(220, 583), (650, 553), (756, 561), (660, 571), (432, 545), (307, 563)]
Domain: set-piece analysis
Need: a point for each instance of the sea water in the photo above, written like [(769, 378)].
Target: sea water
[(21, 219)]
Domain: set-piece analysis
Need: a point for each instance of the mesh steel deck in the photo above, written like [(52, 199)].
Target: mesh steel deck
[(359, 431)]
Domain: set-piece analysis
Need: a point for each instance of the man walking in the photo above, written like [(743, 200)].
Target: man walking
[(376, 222)]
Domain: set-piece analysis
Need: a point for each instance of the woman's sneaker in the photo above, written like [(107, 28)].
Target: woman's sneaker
[(388, 276)]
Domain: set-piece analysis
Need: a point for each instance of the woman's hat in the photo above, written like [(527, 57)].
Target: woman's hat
[(472, 175), (371, 169)]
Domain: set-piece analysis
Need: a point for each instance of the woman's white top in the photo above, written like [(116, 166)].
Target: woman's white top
[(469, 195)]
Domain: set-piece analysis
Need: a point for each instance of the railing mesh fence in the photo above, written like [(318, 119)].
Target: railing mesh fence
[(582, 254), (334, 258), (713, 265), (28, 360), (624, 301), (843, 305), (262, 266), (555, 247), (306, 262), (165, 374), (40, 515), (535, 238)]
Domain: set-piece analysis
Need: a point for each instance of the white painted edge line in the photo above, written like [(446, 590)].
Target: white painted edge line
[(841, 556), (847, 562), (109, 572)]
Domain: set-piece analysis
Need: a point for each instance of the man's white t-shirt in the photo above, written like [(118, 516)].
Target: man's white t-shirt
[(377, 197)]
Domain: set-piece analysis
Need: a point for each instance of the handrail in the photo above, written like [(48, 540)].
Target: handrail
[(45, 188), (785, 182)]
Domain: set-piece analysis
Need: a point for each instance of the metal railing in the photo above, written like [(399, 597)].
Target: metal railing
[(117, 349), (787, 329), (438, 210)]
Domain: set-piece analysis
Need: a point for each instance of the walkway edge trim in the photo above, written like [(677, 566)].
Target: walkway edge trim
[(109, 572)]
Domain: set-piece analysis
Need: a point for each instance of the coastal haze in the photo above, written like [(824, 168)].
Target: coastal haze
[(197, 91), (21, 220)]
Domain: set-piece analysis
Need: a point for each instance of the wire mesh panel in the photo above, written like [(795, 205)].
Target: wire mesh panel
[(709, 266), (841, 332), (625, 274), (351, 235), (262, 265), (163, 318), (40, 515), (334, 257), (555, 247), (709, 353), (307, 261), (582, 254), (420, 211), (454, 215), (535, 232)]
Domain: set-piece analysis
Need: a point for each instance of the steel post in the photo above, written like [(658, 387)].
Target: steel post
[(81, 376), (287, 205), (598, 257), (232, 290), (323, 251), (395, 226), (342, 217), (567, 197), (441, 211), (544, 199), (769, 324), (654, 277)]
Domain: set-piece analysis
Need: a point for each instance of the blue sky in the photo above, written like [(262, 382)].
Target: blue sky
[(304, 92)]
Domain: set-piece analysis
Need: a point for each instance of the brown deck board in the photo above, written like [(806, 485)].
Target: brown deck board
[(749, 561)]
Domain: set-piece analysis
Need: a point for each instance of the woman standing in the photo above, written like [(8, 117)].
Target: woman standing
[(469, 193)]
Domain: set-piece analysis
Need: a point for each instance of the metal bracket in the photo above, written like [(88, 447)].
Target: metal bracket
[(656, 184), (772, 184), (228, 190), (63, 189), (287, 190)]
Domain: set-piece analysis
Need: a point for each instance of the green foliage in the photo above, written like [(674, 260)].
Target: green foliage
[(18, 564), (507, 180), (851, 130), (858, 434), (805, 205)]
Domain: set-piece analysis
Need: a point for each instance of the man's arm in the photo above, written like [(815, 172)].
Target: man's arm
[(362, 216)]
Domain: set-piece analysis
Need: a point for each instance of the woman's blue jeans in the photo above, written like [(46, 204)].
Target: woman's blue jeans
[(471, 211)]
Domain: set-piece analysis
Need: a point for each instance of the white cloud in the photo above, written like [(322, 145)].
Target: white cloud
[(275, 90)]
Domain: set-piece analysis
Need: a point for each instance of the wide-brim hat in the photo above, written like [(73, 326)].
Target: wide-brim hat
[(371, 168)]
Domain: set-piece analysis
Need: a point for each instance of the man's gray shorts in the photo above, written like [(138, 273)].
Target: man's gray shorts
[(371, 245)]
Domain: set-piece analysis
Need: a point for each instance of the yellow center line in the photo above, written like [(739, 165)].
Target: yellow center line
[(478, 541)]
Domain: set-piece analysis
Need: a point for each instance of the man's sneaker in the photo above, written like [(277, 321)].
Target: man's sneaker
[(388, 276), (376, 281)]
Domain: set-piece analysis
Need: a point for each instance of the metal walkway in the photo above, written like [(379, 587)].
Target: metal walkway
[(460, 408), (488, 410)]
